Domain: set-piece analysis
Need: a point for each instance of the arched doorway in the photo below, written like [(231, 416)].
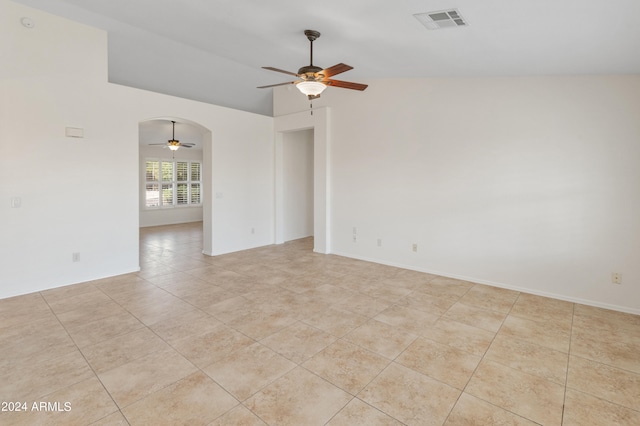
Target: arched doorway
[(158, 130)]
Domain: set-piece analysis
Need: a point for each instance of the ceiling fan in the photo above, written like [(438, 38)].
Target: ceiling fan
[(313, 79), (173, 144)]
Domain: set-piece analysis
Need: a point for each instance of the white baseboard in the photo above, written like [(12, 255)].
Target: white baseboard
[(588, 302)]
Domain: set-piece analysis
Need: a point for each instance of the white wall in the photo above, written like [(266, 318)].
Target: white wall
[(525, 183), (172, 215), (82, 195), (298, 184)]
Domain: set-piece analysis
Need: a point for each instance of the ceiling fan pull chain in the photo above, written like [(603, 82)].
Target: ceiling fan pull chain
[(311, 107)]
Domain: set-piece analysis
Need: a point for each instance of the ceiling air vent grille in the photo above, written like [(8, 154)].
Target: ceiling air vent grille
[(441, 19)]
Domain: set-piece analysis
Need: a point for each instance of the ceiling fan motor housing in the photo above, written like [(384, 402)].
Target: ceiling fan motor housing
[(309, 71)]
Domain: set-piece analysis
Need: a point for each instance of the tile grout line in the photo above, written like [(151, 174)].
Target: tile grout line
[(482, 358), (88, 364), (566, 378)]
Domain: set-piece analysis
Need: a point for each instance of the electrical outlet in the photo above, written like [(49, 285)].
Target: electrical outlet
[(75, 257), (253, 230), (616, 278), (355, 238), (379, 242), (414, 247), (355, 230)]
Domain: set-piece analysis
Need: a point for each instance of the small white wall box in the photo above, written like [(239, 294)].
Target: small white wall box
[(74, 132)]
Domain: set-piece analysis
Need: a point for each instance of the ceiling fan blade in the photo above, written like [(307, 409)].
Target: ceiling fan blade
[(335, 70), (279, 84), (187, 145), (345, 84), (279, 70), (158, 144)]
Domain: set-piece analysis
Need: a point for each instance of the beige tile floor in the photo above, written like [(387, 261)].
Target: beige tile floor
[(282, 336)]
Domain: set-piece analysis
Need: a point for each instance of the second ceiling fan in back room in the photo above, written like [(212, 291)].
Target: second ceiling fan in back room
[(312, 79), (173, 144)]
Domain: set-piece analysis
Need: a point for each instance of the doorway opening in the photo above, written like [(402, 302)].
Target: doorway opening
[(297, 157), (318, 125), (179, 190)]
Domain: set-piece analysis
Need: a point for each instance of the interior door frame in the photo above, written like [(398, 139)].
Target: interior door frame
[(319, 122)]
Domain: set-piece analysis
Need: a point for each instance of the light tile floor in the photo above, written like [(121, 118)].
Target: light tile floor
[(282, 336)]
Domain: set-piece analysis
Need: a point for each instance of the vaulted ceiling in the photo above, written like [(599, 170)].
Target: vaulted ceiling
[(212, 50)]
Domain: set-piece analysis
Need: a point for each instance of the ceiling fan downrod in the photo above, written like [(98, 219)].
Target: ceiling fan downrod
[(312, 35), (309, 72)]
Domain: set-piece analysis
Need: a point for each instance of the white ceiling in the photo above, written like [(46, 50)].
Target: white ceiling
[(212, 51)]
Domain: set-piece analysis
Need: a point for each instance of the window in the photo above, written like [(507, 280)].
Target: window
[(170, 183)]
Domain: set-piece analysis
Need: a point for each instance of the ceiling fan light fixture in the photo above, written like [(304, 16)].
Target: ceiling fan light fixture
[(311, 88), (174, 145)]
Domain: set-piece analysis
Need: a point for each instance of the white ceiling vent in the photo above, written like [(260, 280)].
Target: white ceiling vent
[(441, 19)]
